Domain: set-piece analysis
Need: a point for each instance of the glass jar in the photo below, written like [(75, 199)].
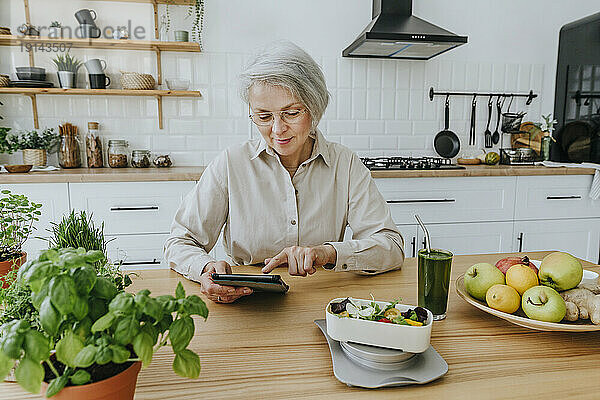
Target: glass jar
[(140, 158), (68, 152), (93, 147), (117, 153)]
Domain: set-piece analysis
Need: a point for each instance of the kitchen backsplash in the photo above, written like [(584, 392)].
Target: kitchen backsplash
[(378, 107)]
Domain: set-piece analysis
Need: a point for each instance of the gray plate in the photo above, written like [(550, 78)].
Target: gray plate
[(420, 369)]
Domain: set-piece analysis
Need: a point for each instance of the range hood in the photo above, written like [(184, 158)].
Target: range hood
[(395, 33)]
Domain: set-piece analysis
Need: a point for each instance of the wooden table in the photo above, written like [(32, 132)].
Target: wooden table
[(267, 346)]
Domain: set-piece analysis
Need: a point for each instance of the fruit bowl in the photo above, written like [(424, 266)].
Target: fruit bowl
[(410, 339), (519, 317), (18, 168)]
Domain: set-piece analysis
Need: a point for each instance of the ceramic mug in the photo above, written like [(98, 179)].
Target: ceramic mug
[(98, 81), (95, 66), (89, 31), (84, 16)]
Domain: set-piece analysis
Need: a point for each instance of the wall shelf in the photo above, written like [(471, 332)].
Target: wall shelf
[(50, 44), (158, 94), (113, 44)]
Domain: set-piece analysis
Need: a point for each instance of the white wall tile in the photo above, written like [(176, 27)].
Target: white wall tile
[(402, 104), (344, 104), (374, 74), (389, 74), (403, 75), (417, 75), (370, 127), (384, 142), (344, 73), (359, 103), (373, 103), (359, 73), (341, 127), (183, 126), (356, 142), (388, 103), (400, 128), (202, 143)]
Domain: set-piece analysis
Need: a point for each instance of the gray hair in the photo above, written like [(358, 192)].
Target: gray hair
[(286, 65)]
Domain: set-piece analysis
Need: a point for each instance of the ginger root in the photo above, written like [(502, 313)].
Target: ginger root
[(572, 311), (587, 302), (592, 287)]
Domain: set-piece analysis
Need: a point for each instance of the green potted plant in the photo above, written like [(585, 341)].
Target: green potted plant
[(17, 215), (195, 11), (102, 337), (67, 67), (35, 145), (8, 142), (55, 30)]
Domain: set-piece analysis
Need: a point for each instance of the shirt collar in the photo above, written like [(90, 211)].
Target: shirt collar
[(319, 148)]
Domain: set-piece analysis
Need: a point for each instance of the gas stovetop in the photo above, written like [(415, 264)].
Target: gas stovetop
[(379, 163)]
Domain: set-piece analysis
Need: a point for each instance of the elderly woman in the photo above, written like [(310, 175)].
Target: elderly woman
[(287, 198)]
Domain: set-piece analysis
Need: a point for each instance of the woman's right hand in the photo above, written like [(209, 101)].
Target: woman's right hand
[(219, 293)]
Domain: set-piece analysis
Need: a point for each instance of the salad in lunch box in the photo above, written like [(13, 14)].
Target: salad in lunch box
[(347, 308)]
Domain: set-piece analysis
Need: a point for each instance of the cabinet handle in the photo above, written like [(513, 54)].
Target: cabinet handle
[(153, 262), (142, 208), (520, 240), (414, 246), (421, 201), (562, 197)]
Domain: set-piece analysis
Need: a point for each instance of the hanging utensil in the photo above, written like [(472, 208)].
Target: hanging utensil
[(472, 127), (426, 233), (446, 143), (496, 134), (487, 135)]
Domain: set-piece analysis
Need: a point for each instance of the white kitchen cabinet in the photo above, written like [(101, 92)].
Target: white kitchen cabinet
[(409, 234), (551, 197), (469, 238), (54, 198), (579, 237), (131, 207), (137, 251), (439, 200), (136, 215)]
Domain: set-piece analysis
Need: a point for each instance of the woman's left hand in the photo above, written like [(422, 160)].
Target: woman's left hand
[(302, 260)]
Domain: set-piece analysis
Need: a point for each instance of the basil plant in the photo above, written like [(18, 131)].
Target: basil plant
[(87, 322)]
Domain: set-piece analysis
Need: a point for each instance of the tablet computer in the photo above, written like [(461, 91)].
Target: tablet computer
[(265, 283)]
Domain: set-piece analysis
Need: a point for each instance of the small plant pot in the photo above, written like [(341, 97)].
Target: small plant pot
[(7, 265), (35, 157), (182, 36), (55, 32), (67, 79), (118, 387)]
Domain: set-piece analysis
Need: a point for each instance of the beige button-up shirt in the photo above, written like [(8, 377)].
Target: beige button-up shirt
[(247, 190)]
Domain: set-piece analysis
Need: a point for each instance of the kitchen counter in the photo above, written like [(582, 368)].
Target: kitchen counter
[(194, 173), (267, 346)]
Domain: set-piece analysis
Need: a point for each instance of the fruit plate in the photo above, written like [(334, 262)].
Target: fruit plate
[(522, 320)]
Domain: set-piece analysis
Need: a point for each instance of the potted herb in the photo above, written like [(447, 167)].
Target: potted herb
[(17, 215), (67, 70), (55, 30), (8, 142), (196, 12), (35, 145), (101, 336)]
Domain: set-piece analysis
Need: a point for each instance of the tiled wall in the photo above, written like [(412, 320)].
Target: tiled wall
[(378, 107)]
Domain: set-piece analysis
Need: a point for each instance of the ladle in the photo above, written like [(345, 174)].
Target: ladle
[(426, 232)]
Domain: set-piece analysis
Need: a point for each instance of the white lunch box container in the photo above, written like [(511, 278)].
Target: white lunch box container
[(408, 338)]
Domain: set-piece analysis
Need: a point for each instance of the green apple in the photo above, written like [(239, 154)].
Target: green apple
[(561, 271), (543, 303), (480, 277)]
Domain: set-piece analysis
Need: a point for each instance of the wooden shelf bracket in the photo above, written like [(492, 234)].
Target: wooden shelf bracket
[(160, 111), (36, 122)]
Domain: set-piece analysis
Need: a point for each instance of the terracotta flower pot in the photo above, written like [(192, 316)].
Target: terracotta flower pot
[(118, 387), (7, 265)]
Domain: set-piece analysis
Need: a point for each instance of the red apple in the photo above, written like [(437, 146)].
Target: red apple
[(504, 264)]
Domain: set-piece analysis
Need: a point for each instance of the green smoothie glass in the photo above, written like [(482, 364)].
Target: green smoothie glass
[(434, 281)]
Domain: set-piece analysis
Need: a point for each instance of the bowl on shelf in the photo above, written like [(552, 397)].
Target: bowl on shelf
[(18, 168), (178, 84), (31, 73)]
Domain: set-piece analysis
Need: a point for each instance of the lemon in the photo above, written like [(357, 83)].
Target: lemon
[(503, 298), (521, 277)]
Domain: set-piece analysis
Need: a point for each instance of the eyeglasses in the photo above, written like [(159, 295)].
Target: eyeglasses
[(288, 116)]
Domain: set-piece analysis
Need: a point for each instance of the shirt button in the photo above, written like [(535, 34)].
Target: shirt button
[(293, 222), (345, 266)]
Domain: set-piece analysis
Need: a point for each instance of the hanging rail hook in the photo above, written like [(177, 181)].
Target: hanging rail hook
[(530, 98), (447, 99), (512, 96)]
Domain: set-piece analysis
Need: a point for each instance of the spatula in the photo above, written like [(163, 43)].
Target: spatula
[(487, 138)]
